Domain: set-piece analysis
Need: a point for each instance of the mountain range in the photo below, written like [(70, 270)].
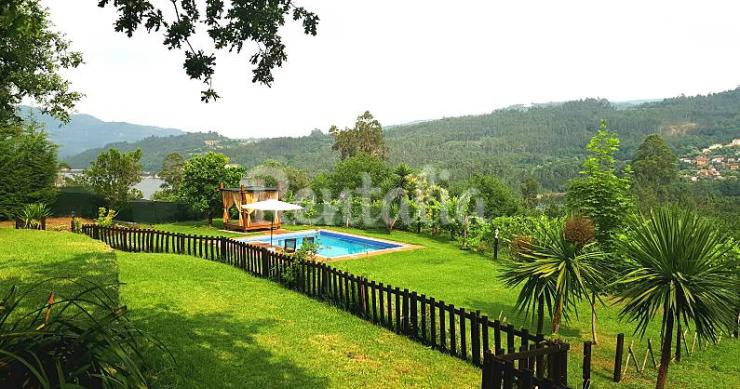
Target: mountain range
[(85, 132), (544, 140)]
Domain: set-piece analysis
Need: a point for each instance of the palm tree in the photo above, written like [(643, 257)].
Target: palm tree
[(554, 271), (677, 263)]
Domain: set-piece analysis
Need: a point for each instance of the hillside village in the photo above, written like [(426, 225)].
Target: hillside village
[(716, 162)]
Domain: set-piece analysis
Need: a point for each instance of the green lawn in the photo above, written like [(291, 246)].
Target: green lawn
[(228, 329), (440, 269)]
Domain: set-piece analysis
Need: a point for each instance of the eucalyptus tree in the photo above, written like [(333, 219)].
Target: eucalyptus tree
[(677, 265)]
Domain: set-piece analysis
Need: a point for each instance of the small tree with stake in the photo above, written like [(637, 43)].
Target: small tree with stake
[(553, 270), (679, 265)]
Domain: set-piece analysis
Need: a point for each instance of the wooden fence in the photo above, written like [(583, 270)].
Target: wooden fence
[(457, 331), (540, 366)]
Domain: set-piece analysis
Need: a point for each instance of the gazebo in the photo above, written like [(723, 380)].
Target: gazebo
[(249, 219)]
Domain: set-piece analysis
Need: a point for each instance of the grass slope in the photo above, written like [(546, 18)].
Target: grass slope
[(28, 257), (228, 329), (440, 269)]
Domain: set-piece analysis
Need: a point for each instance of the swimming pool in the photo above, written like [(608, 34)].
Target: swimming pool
[(331, 244)]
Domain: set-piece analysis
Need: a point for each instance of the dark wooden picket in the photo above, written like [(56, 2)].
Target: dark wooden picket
[(508, 371)]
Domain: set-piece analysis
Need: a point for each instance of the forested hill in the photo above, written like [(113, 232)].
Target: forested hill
[(311, 152), (84, 132), (546, 140), (550, 139)]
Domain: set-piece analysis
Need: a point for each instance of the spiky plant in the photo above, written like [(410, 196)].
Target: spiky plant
[(80, 340), (677, 265), (555, 272), (33, 215)]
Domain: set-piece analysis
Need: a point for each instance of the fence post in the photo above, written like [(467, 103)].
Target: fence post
[(265, 269), (618, 358), (495, 245), (487, 376), (586, 364), (223, 249)]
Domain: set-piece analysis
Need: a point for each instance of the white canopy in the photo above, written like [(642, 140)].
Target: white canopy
[(272, 205)]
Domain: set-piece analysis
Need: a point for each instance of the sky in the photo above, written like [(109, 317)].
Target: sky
[(408, 60)]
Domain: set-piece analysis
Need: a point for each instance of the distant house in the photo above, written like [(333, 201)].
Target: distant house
[(732, 165), (735, 142), (687, 160), (718, 160), (711, 172), (712, 147), (701, 161)]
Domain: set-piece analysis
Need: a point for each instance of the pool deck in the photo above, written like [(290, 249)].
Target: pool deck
[(401, 246)]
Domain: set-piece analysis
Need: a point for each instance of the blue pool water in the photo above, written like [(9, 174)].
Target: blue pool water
[(331, 244)]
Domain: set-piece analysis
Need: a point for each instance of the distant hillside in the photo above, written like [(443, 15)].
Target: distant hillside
[(311, 152), (544, 140), (85, 131)]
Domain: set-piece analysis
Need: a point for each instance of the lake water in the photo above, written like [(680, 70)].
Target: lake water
[(148, 186)]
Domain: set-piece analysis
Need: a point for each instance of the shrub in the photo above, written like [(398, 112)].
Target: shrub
[(289, 275), (105, 217), (82, 340), (479, 235), (579, 230), (76, 224), (33, 215)]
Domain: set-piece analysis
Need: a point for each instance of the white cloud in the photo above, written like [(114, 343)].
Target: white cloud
[(410, 60)]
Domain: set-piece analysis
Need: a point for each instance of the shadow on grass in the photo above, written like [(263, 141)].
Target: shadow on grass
[(64, 277), (215, 350), (496, 310)]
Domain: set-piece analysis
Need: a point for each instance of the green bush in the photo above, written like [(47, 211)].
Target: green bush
[(105, 217)]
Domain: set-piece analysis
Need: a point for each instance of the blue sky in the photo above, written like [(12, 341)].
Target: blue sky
[(410, 60)]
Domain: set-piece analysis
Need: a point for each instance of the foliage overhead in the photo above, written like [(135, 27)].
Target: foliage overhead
[(229, 25), (33, 56)]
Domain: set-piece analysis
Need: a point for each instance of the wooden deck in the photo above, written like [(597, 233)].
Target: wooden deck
[(254, 226)]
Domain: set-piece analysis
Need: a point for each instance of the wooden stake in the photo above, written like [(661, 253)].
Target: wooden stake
[(652, 354)]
